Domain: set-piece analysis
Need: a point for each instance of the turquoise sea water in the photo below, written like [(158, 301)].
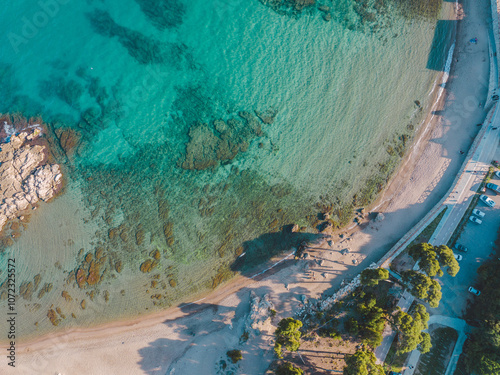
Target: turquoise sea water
[(155, 181)]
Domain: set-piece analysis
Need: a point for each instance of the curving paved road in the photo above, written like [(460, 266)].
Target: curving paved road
[(468, 184), (458, 201)]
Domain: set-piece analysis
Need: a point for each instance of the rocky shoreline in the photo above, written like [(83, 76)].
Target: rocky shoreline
[(26, 175)]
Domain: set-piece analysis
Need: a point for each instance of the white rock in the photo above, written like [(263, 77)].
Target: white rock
[(23, 180), (258, 318)]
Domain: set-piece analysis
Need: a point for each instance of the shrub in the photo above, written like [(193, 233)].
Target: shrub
[(288, 369), (287, 335), (352, 326), (371, 277), (234, 355)]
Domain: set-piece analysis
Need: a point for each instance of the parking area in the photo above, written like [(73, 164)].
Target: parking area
[(479, 239)]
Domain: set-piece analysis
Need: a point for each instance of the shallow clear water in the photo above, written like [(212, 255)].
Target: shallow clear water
[(138, 87)]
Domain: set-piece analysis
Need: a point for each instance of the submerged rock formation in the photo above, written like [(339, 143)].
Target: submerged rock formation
[(295, 5), (221, 141), (25, 177)]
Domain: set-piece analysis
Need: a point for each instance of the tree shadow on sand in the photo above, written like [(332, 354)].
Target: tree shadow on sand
[(207, 330), (260, 250)]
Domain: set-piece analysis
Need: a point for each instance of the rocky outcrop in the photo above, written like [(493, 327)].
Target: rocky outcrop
[(69, 140), (221, 141), (25, 178), (267, 116), (89, 271), (42, 183), (258, 319)]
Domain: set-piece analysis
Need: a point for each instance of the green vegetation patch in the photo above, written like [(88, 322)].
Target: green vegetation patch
[(362, 363), (432, 258), (436, 360), (288, 368), (372, 277), (410, 326), (287, 336), (423, 287)]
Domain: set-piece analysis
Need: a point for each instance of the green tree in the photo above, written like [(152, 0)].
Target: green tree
[(352, 326), (287, 335), (423, 287), (371, 277), (371, 321), (425, 345), (425, 254), (447, 259), (410, 328), (419, 283), (487, 366), (423, 315), (362, 363), (434, 295), (288, 369)]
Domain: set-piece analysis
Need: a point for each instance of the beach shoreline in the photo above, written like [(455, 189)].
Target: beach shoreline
[(103, 336)]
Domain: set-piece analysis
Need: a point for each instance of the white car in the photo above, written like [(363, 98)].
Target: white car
[(475, 220), (476, 212), (487, 200), (493, 187), (458, 257), (474, 291)]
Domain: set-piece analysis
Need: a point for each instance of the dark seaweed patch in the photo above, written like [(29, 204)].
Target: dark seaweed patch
[(68, 90), (288, 7), (163, 14), (10, 101), (428, 9), (368, 16), (143, 49)]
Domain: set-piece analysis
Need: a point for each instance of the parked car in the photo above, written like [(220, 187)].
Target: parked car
[(458, 257), (477, 212), (475, 220), (474, 291), (497, 173), (487, 200), (461, 247), (493, 187)]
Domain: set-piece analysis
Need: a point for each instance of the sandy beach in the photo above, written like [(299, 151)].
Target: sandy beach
[(186, 339)]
